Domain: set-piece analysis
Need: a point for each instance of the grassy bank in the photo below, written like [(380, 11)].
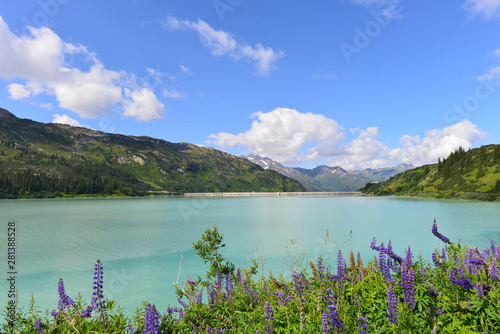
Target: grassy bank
[(459, 292)]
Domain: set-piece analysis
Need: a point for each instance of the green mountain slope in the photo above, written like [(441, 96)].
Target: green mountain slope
[(52, 160), (473, 174)]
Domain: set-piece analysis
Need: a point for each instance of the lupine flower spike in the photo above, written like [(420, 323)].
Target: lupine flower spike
[(392, 303), (269, 318), (151, 320), (439, 235), (363, 324)]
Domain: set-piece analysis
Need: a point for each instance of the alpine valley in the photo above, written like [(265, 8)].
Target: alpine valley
[(55, 160), (324, 178)]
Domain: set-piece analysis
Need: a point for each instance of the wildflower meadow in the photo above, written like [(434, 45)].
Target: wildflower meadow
[(458, 292)]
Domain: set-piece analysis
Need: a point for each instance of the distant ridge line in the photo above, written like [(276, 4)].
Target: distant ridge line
[(277, 194)]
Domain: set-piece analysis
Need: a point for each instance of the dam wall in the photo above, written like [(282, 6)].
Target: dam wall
[(277, 194)]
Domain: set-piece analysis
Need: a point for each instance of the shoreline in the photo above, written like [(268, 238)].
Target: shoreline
[(278, 194)]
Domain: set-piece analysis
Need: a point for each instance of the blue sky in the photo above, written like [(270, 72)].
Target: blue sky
[(356, 83)]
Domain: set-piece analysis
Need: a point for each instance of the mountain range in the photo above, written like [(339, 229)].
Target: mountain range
[(57, 160), (324, 178)]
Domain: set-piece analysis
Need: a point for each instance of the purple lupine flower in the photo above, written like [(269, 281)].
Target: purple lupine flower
[(461, 280), (269, 315), (479, 290), (443, 254), (440, 311), (435, 260), (391, 254), (324, 322), (337, 324), (383, 263), (199, 297), (432, 292), (281, 296), (341, 265), (238, 275), (281, 299), (297, 282), (392, 303), (408, 282), (321, 269), (87, 313), (98, 302), (472, 263), (494, 270), (439, 235), (184, 305), (219, 280), (64, 299), (388, 251), (251, 292), (151, 320), (363, 324), (38, 326), (229, 285), (373, 244), (409, 257), (305, 281)]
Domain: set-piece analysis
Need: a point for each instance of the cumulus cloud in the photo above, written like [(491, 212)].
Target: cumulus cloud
[(65, 119), (292, 137), (40, 61), (281, 134), (488, 9), (18, 91), (221, 43), (143, 105), (367, 152)]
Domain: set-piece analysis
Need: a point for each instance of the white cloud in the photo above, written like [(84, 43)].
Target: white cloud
[(367, 152), (186, 70), (41, 60), (288, 136), (143, 105), (493, 74), (281, 134), (18, 91), (65, 119), (488, 9), (221, 43), (173, 94)]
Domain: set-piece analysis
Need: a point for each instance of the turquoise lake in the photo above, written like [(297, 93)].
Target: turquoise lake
[(139, 240)]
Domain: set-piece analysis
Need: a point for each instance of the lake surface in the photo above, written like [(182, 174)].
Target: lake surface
[(139, 240)]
